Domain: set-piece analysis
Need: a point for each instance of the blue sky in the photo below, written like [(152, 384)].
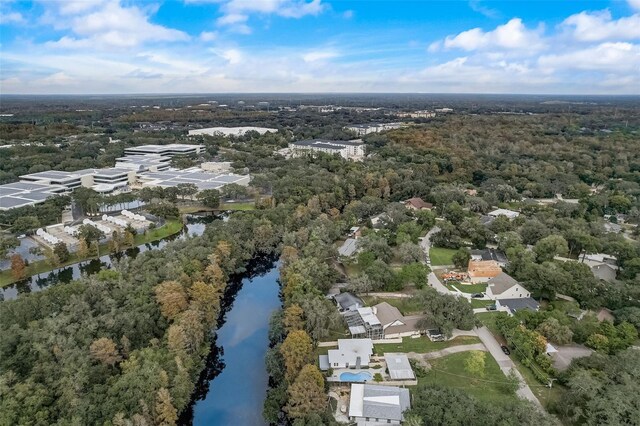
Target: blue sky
[(203, 46)]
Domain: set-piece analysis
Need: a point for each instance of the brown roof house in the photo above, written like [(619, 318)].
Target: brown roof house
[(481, 271), (417, 203)]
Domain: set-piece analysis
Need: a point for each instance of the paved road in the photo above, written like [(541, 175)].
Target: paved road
[(505, 363), (455, 350)]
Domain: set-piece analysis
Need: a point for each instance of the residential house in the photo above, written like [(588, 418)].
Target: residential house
[(355, 232), (504, 212), (417, 203), (378, 404), (394, 323), (481, 271), (490, 254), (398, 366), (363, 322), (603, 266), (351, 353), (503, 286), (348, 248), (514, 305), (348, 302), (605, 272)]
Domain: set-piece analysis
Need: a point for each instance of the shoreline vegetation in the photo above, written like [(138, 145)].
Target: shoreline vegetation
[(171, 227)]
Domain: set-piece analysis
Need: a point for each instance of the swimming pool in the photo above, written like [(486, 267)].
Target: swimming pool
[(362, 376)]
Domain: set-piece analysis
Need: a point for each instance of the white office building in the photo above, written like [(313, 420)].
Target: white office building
[(353, 150), (230, 131), (365, 129), (169, 150)]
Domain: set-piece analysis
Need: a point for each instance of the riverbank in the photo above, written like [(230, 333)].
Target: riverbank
[(200, 208), (171, 227)]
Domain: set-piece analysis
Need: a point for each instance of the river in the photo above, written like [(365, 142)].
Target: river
[(233, 386), (72, 272)]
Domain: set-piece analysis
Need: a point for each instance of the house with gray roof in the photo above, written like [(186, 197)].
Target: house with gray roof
[(348, 302), (398, 366), (490, 254), (514, 305), (351, 353), (378, 404), (348, 248), (503, 286)]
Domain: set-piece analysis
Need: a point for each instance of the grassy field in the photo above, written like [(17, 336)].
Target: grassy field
[(406, 305), (441, 256), (170, 227), (476, 303), (450, 372), (471, 288), (423, 345)]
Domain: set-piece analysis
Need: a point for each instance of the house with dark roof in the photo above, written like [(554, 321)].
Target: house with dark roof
[(515, 305), (503, 286), (417, 203), (348, 302), (348, 248), (490, 254), (374, 404)]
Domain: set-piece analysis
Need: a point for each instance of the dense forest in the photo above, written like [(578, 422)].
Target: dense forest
[(126, 346)]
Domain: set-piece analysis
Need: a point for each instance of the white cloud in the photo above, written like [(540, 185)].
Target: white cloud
[(484, 10), (109, 24), (635, 4), (11, 18), (208, 35), (512, 35), (319, 55), (606, 57), (597, 26), (347, 14), (236, 12)]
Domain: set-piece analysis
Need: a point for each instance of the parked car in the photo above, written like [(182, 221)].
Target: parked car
[(505, 350), (491, 308), (477, 295)]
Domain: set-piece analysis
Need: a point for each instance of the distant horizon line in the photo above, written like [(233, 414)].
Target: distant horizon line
[(316, 93)]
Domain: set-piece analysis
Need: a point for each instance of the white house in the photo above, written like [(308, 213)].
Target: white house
[(504, 286), (373, 404), (504, 212), (351, 353)]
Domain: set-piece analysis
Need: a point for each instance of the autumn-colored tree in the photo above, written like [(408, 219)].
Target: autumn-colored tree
[(176, 339), (166, 413), (214, 273), (293, 318), (105, 351), (129, 239), (223, 250), (306, 394), (206, 299), (51, 257), (191, 322), (18, 267), (296, 351), (172, 298), (289, 254), (83, 249)]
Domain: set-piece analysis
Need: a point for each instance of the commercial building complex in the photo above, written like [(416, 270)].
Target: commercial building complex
[(353, 150), (169, 150), (230, 131), (365, 129)]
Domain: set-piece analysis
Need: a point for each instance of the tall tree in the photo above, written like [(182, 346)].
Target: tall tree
[(297, 350), (306, 394)]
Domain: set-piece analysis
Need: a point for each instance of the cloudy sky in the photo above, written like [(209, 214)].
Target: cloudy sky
[(195, 46)]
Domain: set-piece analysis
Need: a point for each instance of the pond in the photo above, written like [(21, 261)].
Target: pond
[(195, 226), (233, 386)]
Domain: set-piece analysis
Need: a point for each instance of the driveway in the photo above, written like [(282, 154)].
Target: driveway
[(505, 363)]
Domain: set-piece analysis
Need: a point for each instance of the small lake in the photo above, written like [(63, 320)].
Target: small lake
[(233, 386), (194, 227)]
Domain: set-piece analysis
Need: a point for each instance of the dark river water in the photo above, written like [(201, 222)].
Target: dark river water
[(233, 386)]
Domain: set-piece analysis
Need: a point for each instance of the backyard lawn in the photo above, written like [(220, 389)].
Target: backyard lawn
[(477, 303), (470, 288), (441, 256), (450, 372), (423, 345), (406, 305)]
